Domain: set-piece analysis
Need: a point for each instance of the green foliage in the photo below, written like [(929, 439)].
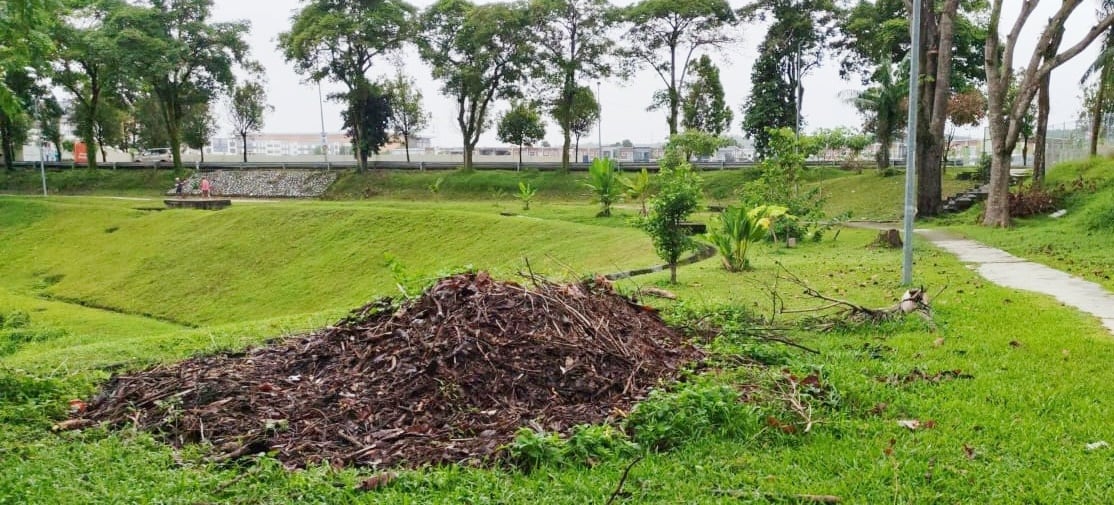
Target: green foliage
[(696, 143), (246, 108), (521, 125), (699, 409), (479, 53), (985, 162), (366, 119), (704, 107), (587, 445), (638, 188), (605, 183), (526, 193), (738, 229), (1098, 215), (661, 32), (780, 184), (408, 117), (676, 200)]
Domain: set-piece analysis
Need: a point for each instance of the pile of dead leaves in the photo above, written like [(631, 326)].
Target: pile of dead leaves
[(445, 378)]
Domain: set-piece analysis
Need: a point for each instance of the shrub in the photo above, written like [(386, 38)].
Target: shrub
[(1031, 200), (606, 184), (737, 230), (668, 419), (526, 193), (780, 182)]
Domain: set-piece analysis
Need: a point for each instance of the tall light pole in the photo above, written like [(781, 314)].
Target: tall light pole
[(599, 118), (39, 135), (324, 136), (911, 145)]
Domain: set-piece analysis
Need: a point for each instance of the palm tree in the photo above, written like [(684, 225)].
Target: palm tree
[(883, 106), (1104, 66)]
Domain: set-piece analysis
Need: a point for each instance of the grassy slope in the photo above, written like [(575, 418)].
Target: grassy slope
[(1078, 243), (1037, 393), (873, 198)]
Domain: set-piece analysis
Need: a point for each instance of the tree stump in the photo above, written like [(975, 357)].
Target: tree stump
[(890, 239)]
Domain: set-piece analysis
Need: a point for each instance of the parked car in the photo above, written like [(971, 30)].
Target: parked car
[(160, 154)]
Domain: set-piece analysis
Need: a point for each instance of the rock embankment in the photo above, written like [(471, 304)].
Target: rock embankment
[(262, 183)]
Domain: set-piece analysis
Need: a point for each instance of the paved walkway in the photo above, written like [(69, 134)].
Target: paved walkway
[(1005, 269)]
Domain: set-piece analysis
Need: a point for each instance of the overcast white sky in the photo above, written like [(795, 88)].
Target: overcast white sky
[(624, 103)]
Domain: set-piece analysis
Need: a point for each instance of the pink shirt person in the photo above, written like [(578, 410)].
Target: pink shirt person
[(205, 186)]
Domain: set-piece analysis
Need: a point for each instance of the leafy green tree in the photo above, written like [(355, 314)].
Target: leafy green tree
[(697, 143), (407, 115), (521, 125), (186, 57), (605, 183), (368, 112), (1103, 68), (339, 40), (148, 125), (585, 114), (106, 127), (664, 34), (574, 45), (670, 207), (14, 125), (50, 120), (780, 184), (91, 65), (794, 45), (246, 108), (770, 103), (704, 107), (479, 53), (198, 127), (25, 26)]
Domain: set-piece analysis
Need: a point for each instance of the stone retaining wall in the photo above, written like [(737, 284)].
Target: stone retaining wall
[(262, 183)]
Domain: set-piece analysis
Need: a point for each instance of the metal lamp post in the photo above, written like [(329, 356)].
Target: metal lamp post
[(599, 118), (911, 146), (324, 136)]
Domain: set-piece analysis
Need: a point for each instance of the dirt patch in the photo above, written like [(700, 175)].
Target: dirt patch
[(445, 378)]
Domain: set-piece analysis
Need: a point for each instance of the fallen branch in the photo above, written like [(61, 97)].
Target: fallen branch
[(619, 488), (912, 301)]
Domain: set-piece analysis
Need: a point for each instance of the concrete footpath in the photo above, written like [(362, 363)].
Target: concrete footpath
[(1007, 270)]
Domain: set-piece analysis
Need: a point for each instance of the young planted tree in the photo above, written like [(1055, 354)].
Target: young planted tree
[(198, 127), (521, 126), (1007, 117), (246, 107), (738, 229), (585, 114), (339, 40), (574, 45), (704, 107), (665, 34), (407, 115), (186, 57), (670, 207), (479, 53)]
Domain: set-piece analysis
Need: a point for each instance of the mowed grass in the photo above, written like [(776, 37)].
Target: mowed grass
[(1079, 242), (1013, 430)]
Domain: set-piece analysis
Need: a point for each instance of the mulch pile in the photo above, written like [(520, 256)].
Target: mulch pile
[(445, 378)]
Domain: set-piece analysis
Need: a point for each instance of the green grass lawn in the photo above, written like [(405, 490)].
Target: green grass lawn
[(89, 286)]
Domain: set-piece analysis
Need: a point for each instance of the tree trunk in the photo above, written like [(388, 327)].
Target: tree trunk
[(576, 152), (997, 203), (90, 149), (7, 143), (673, 272), (936, 88), (406, 143), (1041, 149), (1024, 151), (468, 146), (1096, 111), (883, 155), (104, 153), (519, 157), (567, 142)]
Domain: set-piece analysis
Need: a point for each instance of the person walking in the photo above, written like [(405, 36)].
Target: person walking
[(179, 184), (206, 186)]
